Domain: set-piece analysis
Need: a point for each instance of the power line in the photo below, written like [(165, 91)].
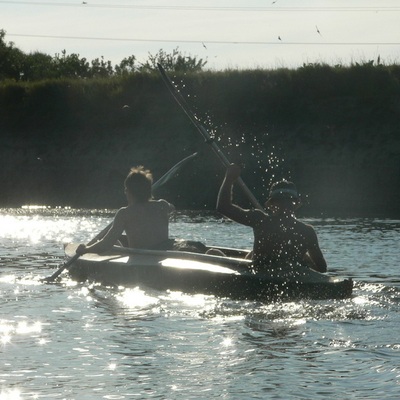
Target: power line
[(281, 43), (87, 4)]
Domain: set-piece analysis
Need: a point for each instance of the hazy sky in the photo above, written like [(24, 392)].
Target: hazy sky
[(226, 33)]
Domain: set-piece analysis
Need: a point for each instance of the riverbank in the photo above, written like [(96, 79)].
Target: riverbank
[(334, 131)]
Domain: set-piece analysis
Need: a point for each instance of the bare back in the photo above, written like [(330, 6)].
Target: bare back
[(145, 224), (281, 237)]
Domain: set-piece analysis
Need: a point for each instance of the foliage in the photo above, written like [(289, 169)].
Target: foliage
[(126, 66), (174, 62), (36, 66), (10, 59), (18, 66), (334, 130)]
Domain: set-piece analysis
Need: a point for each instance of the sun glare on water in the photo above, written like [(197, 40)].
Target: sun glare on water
[(10, 394), (34, 229), (191, 300), (136, 298), (8, 330), (24, 328)]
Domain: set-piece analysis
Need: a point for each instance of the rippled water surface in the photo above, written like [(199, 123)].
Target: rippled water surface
[(79, 341)]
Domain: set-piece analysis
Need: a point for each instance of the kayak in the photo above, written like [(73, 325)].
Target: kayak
[(228, 276)]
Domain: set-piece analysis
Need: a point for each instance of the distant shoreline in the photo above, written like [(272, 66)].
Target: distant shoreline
[(334, 131)]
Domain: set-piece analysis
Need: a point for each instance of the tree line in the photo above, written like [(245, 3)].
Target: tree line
[(334, 130), (26, 67)]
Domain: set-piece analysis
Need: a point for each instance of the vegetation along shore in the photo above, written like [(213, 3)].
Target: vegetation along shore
[(69, 138)]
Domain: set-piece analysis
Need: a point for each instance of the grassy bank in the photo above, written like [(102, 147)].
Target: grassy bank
[(333, 130)]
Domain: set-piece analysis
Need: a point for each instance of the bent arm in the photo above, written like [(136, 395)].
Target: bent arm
[(224, 200), (315, 253), (109, 239)]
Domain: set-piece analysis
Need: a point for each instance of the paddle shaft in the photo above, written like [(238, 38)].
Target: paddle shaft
[(61, 269), (203, 131)]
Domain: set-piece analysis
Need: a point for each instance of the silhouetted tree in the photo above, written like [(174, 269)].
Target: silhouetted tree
[(174, 62), (101, 68), (126, 66), (18, 66), (10, 59), (37, 66), (71, 66)]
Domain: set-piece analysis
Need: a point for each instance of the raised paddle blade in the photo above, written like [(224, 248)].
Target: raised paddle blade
[(176, 94), (67, 264), (168, 175)]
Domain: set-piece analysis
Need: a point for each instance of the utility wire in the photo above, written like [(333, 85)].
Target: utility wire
[(209, 41), (87, 4)]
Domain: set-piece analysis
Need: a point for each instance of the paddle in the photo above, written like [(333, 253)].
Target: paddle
[(203, 131), (60, 269), (167, 176)]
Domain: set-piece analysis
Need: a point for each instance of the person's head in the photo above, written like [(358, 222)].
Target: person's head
[(283, 195), (138, 184)]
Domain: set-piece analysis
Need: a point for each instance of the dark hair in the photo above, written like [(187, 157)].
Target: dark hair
[(138, 183), (283, 190), (285, 195)]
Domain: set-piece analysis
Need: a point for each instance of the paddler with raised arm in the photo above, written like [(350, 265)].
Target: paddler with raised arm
[(279, 237)]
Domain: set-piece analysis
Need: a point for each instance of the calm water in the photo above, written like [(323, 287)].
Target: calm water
[(74, 341)]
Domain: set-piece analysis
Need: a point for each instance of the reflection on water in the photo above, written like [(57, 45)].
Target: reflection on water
[(11, 394), (75, 341)]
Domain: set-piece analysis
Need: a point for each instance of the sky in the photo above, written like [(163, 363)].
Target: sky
[(228, 34)]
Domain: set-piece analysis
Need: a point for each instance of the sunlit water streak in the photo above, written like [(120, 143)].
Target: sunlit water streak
[(79, 341)]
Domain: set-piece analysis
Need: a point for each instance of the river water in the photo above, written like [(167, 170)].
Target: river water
[(80, 341)]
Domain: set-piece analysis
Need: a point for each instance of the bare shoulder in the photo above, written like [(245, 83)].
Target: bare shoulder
[(308, 230), (158, 201), (254, 217), (162, 204), (122, 211)]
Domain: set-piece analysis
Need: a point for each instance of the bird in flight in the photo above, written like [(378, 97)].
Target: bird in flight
[(318, 30)]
